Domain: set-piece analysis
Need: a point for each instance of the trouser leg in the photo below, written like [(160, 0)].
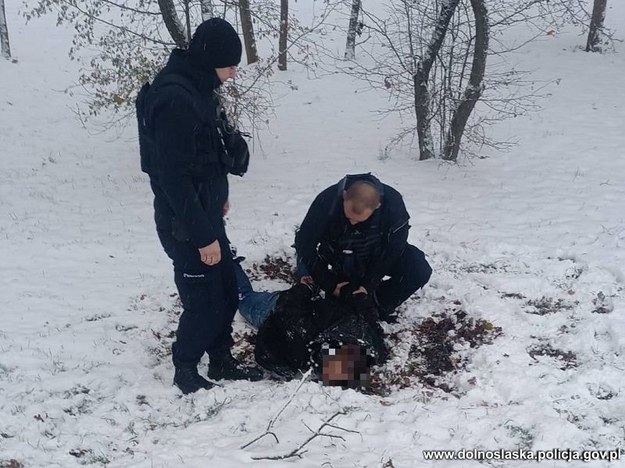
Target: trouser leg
[(410, 272), (254, 306), (209, 300), (222, 340)]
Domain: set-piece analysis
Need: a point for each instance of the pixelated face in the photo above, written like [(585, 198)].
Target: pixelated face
[(352, 216), (345, 366)]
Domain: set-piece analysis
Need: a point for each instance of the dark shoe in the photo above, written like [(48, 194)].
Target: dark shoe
[(225, 367), (188, 380)]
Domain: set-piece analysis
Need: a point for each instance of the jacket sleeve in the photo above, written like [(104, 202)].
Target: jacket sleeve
[(396, 240), (174, 123), (309, 236)]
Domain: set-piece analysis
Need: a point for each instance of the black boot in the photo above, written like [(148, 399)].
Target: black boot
[(188, 380), (386, 312), (224, 366), (388, 315)]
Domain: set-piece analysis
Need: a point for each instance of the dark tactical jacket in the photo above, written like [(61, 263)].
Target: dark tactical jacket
[(183, 152), (333, 250)]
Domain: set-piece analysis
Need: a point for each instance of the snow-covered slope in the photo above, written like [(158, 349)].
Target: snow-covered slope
[(531, 241)]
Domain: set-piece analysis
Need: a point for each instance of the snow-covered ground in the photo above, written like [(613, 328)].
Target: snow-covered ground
[(532, 241)]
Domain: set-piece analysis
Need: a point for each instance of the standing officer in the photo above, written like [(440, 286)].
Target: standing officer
[(188, 148)]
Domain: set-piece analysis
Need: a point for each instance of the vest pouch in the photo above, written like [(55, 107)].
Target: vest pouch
[(208, 154)]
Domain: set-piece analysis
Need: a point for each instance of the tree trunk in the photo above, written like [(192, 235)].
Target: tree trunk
[(207, 8), (248, 31), (187, 18), (5, 47), (173, 24), (350, 46), (284, 33), (422, 76), (596, 26), (475, 86)]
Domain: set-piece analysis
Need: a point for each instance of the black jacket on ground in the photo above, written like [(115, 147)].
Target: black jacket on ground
[(363, 253), (187, 172), (291, 339)]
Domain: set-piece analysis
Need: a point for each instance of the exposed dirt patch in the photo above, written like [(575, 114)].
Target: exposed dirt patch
[(244, 344), (12, 463), (566, 359), (512, 295), (435, 350), (548, 305), (273, 267)]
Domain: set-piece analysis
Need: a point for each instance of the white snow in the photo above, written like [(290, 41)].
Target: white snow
[(88, 298)]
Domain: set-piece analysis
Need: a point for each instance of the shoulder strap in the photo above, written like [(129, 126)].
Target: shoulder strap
[(173, 79)]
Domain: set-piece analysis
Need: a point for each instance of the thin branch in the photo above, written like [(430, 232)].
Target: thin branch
[(273, 420), (127, 8), (116, 26), (275, 59), (298, 451)]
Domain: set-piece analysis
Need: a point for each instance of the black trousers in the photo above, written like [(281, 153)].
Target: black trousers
[(209, 299), (409, 273)]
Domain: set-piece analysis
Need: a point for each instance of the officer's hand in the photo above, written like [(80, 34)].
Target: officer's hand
[(211, 254), (307, 279), (337, 290), (360, 290), (347, 292)]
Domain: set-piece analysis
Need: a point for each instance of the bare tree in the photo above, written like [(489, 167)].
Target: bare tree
[(173, 24), (430, 55), (207, 9), (474, 88), (596, 26), (123, 44), (353, 29), (422, 79), (5, 46), (247, 27), (284, 33)]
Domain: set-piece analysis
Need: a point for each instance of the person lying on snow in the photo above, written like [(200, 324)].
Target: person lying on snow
[(297, 330)]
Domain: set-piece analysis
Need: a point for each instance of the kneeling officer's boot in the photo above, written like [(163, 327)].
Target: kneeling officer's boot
[(188, 380), (223, 366)]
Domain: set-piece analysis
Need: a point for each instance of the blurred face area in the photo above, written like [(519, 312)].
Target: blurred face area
[(226, 73), (353, 216), (341, 365)]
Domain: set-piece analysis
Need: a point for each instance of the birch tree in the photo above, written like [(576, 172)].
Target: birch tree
[(173, 24), (353, 29), (247, 26), (5, 46)]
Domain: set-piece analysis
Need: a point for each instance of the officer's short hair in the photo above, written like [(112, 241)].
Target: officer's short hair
[(362, 196)]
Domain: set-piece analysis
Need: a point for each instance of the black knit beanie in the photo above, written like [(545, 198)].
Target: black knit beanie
[(215, 44)]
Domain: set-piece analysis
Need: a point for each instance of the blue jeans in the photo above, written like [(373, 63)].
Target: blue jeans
[(254, 306)]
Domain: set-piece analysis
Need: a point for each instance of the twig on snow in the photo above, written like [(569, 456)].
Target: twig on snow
[(298, 451), (273, 420)]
